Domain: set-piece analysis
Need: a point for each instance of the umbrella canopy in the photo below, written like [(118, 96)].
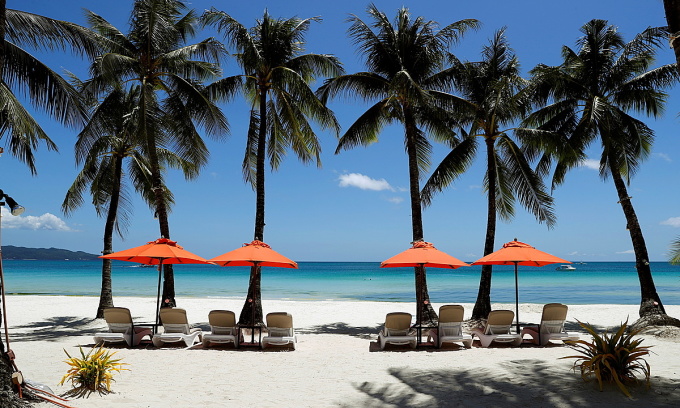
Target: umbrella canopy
[(159, 252), (423, 254), (255, 253), (518, 253)]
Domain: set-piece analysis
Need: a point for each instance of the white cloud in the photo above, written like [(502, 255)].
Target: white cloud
[(663, 156), (591, 164), (46, 221), (395, 200), (573, 253), (364, 182), (673, 222), (630, 251)]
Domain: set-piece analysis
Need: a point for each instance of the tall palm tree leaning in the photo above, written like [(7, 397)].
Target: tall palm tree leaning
[(592, 94), (172, 101), (276, 81), (47, 91), (493, 100), (405, 61), (107, 142)]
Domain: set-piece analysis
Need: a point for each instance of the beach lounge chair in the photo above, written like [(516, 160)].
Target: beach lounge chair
[(121, 328), (223, 328), (176, 328), (450, 328), (497, 329), (551, 326), (397, 330), (280, 330)]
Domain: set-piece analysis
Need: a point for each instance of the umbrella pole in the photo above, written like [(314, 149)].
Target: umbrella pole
[(158, 295), (516, 298)]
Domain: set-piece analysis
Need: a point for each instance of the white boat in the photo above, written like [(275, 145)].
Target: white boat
[(565, 268)]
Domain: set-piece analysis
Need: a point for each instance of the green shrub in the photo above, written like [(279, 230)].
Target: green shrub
[(92, 371), (610, 358)]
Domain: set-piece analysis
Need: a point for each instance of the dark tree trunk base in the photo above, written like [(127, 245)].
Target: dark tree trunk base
[(655, 322)]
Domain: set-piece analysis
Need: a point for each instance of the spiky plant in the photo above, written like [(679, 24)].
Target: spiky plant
[(92, 371), (614, 358)]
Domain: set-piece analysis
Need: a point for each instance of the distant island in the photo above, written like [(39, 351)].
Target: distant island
[(44, 254)]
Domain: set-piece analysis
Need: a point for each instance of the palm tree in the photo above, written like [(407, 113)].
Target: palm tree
[(495, 94), (276, 81), (405, 59), (103, 146), (172, 102), (592, 94), (47, 91)]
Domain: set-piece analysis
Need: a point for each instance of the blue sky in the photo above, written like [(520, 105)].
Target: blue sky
[(356, 207)]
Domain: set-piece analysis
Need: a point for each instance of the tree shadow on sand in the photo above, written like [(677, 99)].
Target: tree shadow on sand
[(365, 332), (52, 328), (518, 383)]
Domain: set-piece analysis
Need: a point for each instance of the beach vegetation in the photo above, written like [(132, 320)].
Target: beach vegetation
[(155, 61), (92, 371), (494, 97), (275, 80), (591, 99), (407, 83), (612, 357)]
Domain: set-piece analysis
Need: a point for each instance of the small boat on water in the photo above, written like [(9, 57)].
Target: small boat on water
[(565, 268)]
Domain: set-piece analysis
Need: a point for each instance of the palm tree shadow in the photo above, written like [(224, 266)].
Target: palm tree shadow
[(518, 383), (362, 332), (52, 329)]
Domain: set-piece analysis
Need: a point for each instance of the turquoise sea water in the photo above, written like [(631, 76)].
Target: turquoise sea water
[(594, 282)]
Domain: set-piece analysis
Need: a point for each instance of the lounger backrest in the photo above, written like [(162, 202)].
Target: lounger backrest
[(279, 324), (118, 319), (222, 322), (451, 313), (554, 315), (174, 320), (499, 321), (397, 323), (117, 315)]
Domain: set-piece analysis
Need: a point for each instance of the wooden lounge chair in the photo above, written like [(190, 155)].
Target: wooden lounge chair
[(551, 326), (497, 329), (121, 328), (223, 328), (176, 328), (397, 330), (280, 330), (450, 328)]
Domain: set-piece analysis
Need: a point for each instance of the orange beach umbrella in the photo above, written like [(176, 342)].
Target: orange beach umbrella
[(159, 252), (423, 254), (518, 253), (255, 253)]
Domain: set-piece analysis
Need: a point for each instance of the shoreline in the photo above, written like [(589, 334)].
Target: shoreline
[(334, 364)]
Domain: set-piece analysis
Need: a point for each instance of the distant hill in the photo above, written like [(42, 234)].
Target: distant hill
[(14, 252)]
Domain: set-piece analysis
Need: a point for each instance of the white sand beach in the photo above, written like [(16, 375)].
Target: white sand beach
[(335, 365)]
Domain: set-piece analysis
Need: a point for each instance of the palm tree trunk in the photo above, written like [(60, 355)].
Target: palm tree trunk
[(672, 9), (650, 303), (425, 314), (7, 396), (159, 193), (483, 303), (251, 313), (106, 295)]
